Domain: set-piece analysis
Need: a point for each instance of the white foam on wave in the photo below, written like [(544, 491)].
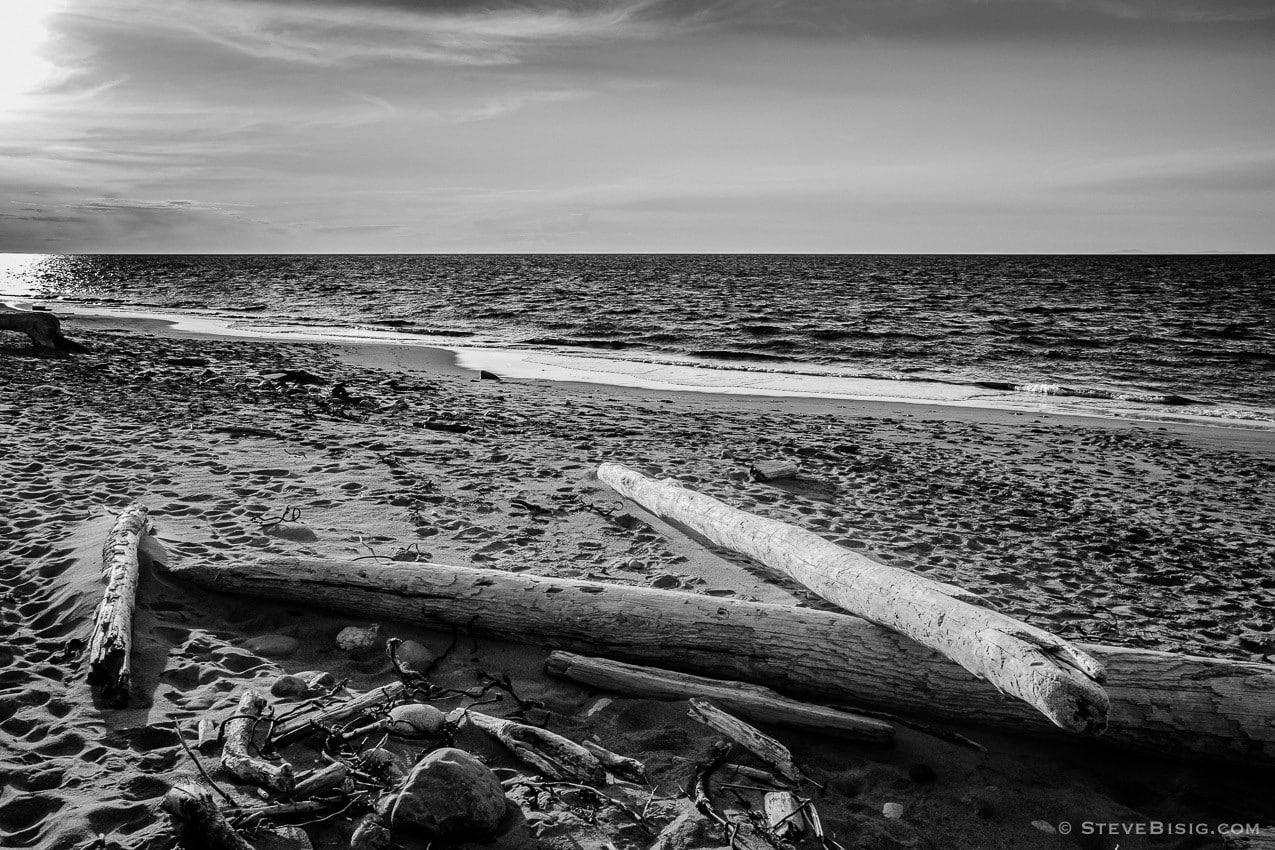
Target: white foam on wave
[(678, 374)]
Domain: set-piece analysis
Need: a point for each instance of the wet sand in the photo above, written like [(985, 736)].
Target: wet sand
[(1146, 535)]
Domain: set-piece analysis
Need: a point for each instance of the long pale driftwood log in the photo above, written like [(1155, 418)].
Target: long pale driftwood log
[(42, 327), (111, 645), (751, 701), (1175, 705), (1059, 679)]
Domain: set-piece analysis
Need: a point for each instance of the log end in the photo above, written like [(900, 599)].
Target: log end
[(110, 673)]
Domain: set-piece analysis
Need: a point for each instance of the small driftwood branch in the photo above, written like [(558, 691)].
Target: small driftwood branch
[(750, 738), (321, 781), (548, 752), (1057, 678), (296, 728), (201, 824), (621, 766), (751, 701), (236, 751), (111, 644)]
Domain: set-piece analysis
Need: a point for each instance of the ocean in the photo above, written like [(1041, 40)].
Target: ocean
[(1176, 331)]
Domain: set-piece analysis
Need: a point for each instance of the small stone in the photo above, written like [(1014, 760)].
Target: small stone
[(414, 656), (385, 764), (289, 686), (922, 774), (1045, 827), (771, 470), (666, 581), (416, 719), (272, 646), (292, 531), (484, 375), (893, 811), (449, 793), (358, 641), (318, 679)]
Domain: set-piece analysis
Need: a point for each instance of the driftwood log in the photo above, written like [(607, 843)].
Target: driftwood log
[(236, 751), (548, 752), (1174, 705), (751, 701), (111, 644), (749, 737), (42, 327), (1059, 679), (200, 823)]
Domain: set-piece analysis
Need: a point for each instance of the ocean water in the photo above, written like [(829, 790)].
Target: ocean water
[(1194, 331)]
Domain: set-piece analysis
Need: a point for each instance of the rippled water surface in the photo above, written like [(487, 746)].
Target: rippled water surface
[(1201, 327)]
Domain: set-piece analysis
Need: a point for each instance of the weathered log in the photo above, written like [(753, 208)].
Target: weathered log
[(236, 751), (749, 737), (618, 765), (299, 726), (321, 781), (201, 824), (42, 327), (751, 701), (1044, 671), (111, 644), (548, 752), (1174, 705)]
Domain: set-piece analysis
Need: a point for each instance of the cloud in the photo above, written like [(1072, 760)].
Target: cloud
[(333, 34)]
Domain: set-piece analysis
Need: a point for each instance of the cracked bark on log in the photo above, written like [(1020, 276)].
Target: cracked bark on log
[(1175, 705), (111, 645), (1059, 679)]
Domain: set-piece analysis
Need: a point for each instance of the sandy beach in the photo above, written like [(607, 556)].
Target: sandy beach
[(1149, 535)]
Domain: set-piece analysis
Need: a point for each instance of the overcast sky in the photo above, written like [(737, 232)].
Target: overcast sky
[(637, 125)]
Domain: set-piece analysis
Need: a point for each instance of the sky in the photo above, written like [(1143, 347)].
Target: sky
[(701, 126)]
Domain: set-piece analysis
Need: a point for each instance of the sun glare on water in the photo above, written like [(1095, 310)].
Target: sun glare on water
[(24, 34)]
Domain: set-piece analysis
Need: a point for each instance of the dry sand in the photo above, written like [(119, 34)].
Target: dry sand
[(1113, 532)]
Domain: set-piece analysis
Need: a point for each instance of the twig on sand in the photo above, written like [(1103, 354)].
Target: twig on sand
[(199, 765)]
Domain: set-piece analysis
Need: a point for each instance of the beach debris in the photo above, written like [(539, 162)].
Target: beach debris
[(42, 327), (384, 764), (484, 375), (626, 768), (357, 641), (842, 658), (751, 701), (282, 838), (548, 752), (296, 727), (449, 793), (237, 748), (773, 470), (272, 646), (371, 834), (749, 737), (207, 734), (327, 778), (111, 644), (201, 824), (296, 376), (892, 811), (1057, 678), (783, 815)]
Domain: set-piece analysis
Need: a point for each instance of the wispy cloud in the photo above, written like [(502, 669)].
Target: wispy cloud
[(329, 34)]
